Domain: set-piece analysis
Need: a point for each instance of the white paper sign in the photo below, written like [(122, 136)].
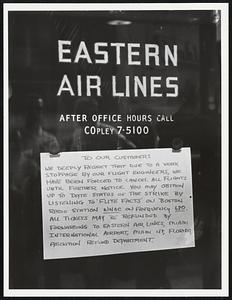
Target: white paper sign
[(120, 201)]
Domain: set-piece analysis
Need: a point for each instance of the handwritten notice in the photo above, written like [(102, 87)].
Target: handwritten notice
[(120, 201)]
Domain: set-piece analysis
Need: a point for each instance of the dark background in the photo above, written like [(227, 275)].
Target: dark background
[(34, 69)]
